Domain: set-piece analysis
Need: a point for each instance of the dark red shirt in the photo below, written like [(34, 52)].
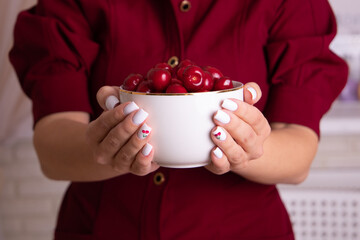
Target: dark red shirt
[(65, 50)]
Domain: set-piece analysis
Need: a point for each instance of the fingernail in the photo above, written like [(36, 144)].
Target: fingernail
[(229, 105), (140, 116), (111, 102), (253, 93), (219, 133), (218, 153), (144, 131), (130, 108), (222, 116), (147, 149)]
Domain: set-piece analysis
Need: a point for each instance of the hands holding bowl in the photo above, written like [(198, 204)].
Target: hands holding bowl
[(189, 116)]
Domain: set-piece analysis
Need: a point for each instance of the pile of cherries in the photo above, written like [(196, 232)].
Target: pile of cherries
[(186, 77)]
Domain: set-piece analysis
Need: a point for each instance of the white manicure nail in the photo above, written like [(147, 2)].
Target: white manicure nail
[(222, 116), (146, 149), (130, 108), (253, 93), (111, 101), (229, 105), (144, 131), (140, 116), (219, 133), (218, 153)]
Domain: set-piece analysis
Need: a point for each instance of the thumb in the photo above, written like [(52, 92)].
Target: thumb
[(252, 93), (108, 97)]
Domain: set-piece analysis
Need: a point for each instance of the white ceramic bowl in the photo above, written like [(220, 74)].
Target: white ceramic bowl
[(182, 123)]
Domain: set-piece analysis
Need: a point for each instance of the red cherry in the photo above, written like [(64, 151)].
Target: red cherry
[(144, 86), (215, 73), (180, 72), (186, 63), (159, 79), (175, 80), (174, 72), (164, 66), (176, 88), (193, 78), (208, 82), (223, 83), (132, 81)]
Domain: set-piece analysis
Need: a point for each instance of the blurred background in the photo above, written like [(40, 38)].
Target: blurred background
[(326, 206)]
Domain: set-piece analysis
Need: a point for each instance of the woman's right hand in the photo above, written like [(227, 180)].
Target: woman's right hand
[(119, 136)]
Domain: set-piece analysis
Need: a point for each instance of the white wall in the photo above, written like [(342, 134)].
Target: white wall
[(28, 201), (15, 108), (348, 15)]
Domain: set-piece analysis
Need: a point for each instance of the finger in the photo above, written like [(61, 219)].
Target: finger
[(248, 113), (252, 93), (144, 163), (108, 97), (100, 127), (239, 143), (234, 152), (125, 156), (219, 163), (119, 136)]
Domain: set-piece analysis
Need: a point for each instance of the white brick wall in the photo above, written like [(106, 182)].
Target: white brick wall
[(28, 201)]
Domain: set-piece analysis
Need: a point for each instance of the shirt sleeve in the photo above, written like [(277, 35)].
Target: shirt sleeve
[(305, 75), (52, 54)]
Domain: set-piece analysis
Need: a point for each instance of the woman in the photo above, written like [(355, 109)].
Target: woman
[(67, 53)]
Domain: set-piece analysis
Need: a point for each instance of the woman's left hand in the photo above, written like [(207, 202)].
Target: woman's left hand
[(240, 132)]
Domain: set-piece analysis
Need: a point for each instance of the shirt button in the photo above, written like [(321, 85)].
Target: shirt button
[(185, 6), (159, 178), (173, 61)]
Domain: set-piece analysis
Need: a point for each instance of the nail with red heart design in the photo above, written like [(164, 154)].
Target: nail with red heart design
[(144, 131), (219, 133)]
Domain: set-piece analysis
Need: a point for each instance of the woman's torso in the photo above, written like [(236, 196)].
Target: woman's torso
[(188, 203)]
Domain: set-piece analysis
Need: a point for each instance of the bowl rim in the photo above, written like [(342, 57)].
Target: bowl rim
[(240, 85)]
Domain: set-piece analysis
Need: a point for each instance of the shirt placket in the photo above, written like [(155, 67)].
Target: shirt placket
[(179, 12), (150, 218), (159, 180)]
